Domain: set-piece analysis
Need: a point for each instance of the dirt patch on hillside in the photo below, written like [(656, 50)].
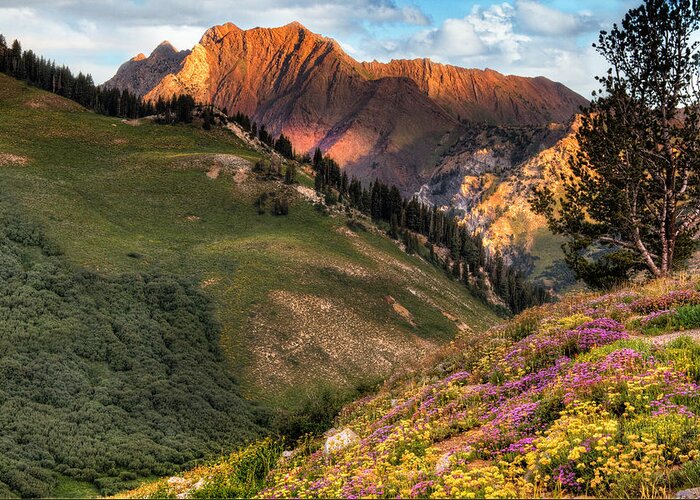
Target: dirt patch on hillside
[(51, 101), (306, 338), (214, 171), (214, 166), (455, 443), (132, 123), (308, 193), (667, 338), (351, 270), (210, 282), (12, 160), (400, 310), (347, 232)]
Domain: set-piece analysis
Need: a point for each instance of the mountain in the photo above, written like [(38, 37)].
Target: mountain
[(157, 311), (140, 74), (392, 121), (485, 96), (488, 183)]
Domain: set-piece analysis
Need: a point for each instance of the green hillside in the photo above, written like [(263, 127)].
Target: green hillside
[(298, 302), (594, 397)]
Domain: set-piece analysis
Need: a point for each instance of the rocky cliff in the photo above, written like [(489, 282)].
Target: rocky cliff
[(390, 121), (140, 74), (485, 95)]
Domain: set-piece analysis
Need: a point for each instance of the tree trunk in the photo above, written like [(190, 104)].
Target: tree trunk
[(646, 255)]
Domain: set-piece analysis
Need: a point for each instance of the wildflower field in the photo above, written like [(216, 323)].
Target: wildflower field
[(594, 396)]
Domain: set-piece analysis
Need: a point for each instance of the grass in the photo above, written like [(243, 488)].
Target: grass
[(70, 488), (617, 417), (120, 199)]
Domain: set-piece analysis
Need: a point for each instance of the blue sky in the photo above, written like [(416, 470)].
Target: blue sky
[(526, 37)]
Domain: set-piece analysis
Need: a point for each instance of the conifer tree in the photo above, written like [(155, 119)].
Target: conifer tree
[(318, 158), (290, 174), (394, 227), (636, 190)]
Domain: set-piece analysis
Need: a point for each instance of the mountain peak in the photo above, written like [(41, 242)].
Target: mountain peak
[(296, 25), (140, 73), (218, 32), (165, 47)]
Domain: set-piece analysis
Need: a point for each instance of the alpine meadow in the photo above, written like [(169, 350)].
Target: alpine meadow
[(277, 264)]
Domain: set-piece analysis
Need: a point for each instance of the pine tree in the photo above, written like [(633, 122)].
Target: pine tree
[(456, 269), (636, 190), (394, 227), (284, 146), (15, 61), (290, 174), (318, 159)]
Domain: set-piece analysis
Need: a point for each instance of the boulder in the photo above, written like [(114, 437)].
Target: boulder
[(443, 464), (690, 493), (340, 440)]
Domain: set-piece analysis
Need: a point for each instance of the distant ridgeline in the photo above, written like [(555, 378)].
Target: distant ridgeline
[(40, 72)]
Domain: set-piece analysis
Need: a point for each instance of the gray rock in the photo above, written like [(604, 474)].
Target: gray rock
[(340, 440), (443, 464), (690, 493)]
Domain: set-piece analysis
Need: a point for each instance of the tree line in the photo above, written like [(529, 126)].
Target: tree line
[(47, 75), (283, 145), (466, 260)]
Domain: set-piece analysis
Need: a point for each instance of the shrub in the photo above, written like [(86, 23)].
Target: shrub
[(523, 325), (331, 198), (125, 372), (688, 317), (280, 206), (670, 300), (260, 203), (243, 473)]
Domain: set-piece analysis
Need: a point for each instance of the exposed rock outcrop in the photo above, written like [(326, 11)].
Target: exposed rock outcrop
[(340, 440)]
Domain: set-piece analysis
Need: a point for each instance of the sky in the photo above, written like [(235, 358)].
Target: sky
[(549, 38)]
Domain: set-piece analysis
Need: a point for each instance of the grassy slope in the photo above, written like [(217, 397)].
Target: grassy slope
[(546, 406), (105, 190)]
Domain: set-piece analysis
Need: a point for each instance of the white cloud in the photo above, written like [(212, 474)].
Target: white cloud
[(456, 38), (495, 26), (484, 34), (536, 18)]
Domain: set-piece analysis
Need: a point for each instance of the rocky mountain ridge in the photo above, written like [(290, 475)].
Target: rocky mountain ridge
[(140, 73), (391, 121)]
